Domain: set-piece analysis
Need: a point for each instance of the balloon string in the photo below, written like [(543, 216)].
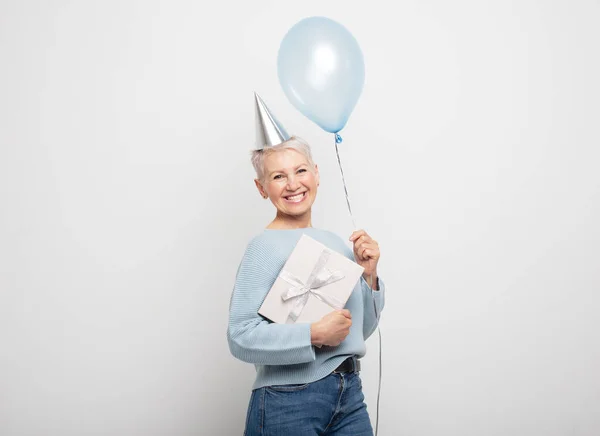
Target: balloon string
[(380, 365), (338, 140)]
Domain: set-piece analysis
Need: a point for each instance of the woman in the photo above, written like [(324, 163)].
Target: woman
[(307, 379)]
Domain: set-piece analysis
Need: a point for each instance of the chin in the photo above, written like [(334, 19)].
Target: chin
[(295, 212)]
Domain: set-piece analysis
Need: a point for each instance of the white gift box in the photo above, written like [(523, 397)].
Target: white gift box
[(314, 281)]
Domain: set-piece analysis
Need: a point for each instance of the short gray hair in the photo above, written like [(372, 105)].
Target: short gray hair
[(294, 143)]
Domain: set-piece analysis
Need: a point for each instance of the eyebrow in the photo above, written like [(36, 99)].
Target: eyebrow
[(279, 171)]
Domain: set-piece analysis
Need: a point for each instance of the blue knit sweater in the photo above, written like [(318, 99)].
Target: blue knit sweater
[(282, 353)]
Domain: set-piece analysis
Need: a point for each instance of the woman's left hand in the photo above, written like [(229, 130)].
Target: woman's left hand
[(366, 252)]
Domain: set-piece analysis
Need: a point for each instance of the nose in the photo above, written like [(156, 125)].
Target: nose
[(292, 184)]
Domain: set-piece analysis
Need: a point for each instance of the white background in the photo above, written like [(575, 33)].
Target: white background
[(126, 202)]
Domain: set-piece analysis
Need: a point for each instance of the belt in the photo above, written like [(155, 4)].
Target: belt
[(351, 364)]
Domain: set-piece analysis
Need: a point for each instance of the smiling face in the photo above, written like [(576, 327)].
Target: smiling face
[(290, 181)]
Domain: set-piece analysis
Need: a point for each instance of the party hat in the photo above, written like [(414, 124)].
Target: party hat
[(268, 130)]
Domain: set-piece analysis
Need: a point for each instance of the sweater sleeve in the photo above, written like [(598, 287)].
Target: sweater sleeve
[(373, 301), (251, 337)]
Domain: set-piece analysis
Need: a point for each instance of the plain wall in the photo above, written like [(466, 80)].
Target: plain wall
[(127, 200)]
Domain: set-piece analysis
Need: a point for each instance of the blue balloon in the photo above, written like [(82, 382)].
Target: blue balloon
[(322, 71)]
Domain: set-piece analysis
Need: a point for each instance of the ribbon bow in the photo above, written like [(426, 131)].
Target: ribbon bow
[(319, 277)]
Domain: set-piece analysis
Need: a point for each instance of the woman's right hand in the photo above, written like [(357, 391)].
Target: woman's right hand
[(332, 329)]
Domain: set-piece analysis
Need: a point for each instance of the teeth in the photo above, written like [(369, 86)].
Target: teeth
[(295, 197)]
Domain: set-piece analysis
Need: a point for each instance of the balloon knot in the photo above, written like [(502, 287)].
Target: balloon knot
[(338, 139)]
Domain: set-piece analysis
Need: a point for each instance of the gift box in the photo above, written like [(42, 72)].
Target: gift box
[(314, 281)]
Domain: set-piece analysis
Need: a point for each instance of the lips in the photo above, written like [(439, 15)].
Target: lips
[(296, 198)]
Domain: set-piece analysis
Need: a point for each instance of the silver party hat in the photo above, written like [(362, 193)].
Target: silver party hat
[(268, 130)]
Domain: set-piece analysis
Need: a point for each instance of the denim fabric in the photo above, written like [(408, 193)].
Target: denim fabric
[(333, 405)]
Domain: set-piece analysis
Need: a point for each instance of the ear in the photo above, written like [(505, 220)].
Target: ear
[(260, 188), (317, 174)]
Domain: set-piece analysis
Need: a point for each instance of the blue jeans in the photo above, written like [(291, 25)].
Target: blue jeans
[(333, 405)]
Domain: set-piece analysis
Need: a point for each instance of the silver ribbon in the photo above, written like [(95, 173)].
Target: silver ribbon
[(319, 277)]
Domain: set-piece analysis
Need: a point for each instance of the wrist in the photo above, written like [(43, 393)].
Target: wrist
[(372, 280), (316, 337)]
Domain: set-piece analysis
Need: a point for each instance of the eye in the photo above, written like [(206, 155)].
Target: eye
[(302, 170), (277, 177)]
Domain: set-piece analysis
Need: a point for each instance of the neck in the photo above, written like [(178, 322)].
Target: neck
[(282, 221)]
